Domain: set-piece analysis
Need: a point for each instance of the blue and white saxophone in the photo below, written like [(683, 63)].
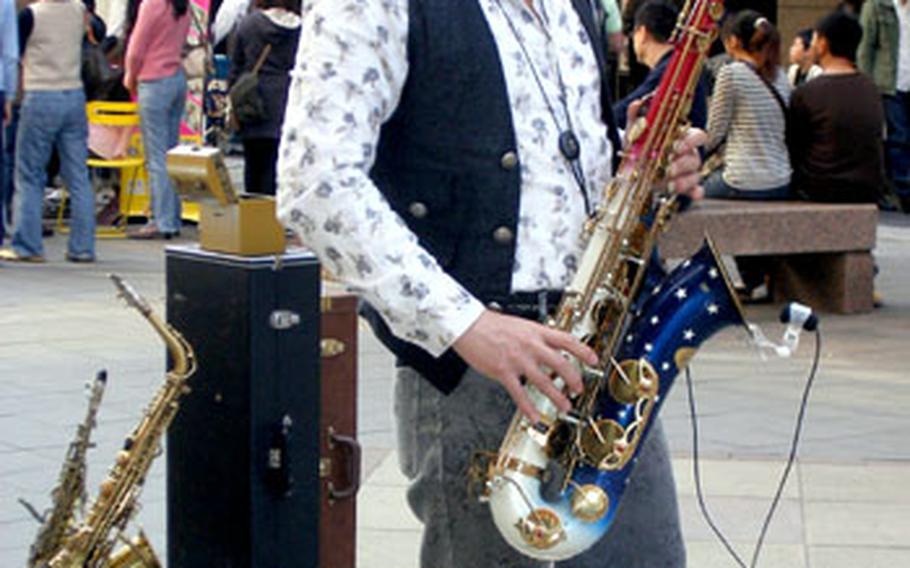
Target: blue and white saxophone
[(554, 486)]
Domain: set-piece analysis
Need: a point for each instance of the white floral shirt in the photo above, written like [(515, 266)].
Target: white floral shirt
[(351, 68)]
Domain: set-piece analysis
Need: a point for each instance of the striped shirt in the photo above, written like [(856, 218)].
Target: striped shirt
[(745, 114)]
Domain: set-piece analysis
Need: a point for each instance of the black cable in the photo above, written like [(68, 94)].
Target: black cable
[(696, 471), (794, 445)]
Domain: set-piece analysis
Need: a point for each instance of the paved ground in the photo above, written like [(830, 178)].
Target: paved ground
[(847, 503)]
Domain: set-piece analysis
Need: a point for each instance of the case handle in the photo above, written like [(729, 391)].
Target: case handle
[(352, 447)]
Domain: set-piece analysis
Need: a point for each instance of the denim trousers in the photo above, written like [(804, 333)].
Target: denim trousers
[(3, 171), (897, 144), (51, 119), (716, 187), (161, 105), (9, 159), (437, 437)]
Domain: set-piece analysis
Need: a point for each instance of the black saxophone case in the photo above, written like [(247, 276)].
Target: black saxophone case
[(243, 483)]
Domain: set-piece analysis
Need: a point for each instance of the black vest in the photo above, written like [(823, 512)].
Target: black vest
[(447, 159)]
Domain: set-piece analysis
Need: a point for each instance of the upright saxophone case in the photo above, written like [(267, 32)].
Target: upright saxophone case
[(243, 454)]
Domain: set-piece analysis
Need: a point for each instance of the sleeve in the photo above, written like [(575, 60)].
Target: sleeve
[(10, 48), (26, 23), (614, 18), (720, 112), (797, 129), (698, 116), (865, 54), (142, 35), (238, 54), (351, 68)]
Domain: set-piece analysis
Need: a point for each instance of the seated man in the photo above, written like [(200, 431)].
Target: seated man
[(655, 21), (802, 61), (834, 131)]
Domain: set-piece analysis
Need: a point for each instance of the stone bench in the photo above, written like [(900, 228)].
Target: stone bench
[(822, 252)]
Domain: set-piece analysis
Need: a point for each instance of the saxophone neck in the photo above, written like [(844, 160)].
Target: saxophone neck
[(179, 349)]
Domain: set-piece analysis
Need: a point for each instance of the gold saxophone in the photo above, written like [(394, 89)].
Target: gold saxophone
[(92, 543), (69, 494), (554, 486)]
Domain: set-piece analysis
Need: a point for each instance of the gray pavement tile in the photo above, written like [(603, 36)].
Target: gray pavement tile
[(383, 508), (857, 524), (380, 548), (871, 482), (867, 557), (734, 478), (740, 519), (714, 555)]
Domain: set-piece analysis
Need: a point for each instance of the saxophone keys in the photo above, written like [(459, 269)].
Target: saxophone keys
[(589, 503), (632, 380), (541, 529), (597, 441), (107, 488)]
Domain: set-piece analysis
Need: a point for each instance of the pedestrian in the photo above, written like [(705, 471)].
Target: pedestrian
[(273, 30), (884, 54), (802, 61), (9, 86), (747, 114), (834, 130), (424, 159), (655, 23), (52, 117), (747, 121), (153, 68)]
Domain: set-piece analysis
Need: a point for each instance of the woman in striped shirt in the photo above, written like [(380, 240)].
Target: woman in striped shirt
[(747, 114)]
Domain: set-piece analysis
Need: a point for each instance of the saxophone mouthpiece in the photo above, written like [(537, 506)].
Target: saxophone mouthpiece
[(131, 296)]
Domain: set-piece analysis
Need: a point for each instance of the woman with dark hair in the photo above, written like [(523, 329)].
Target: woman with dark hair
[(275, 27), (747, 114), (153, 65)]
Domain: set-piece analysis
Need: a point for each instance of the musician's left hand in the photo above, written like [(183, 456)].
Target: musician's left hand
[(684, 172)]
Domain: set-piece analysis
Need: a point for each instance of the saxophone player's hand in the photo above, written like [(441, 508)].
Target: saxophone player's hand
[(684, 172), (507, 349)]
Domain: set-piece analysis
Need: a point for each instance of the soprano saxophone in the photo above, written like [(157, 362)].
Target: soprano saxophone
[(69, 494), (92, 543), (554, 486)]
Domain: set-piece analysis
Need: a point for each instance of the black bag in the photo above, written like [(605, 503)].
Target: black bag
[(246, 101)]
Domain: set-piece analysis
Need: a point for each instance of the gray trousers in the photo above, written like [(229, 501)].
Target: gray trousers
[(437, 437)]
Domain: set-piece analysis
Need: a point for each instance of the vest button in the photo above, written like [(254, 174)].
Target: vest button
[(509, 160), (418, 210), (503, 235)]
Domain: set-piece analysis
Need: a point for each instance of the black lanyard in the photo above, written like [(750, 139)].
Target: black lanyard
[(569, 145)]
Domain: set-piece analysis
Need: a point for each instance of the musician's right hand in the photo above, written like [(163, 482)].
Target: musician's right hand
[(507, 349)]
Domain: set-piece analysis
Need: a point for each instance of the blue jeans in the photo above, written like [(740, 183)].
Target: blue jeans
[(716, 187), (48, 119), (897, 146), (7, 186), (161, 105), (3, 171)]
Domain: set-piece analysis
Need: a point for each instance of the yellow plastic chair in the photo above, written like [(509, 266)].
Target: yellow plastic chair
[(131, 166)]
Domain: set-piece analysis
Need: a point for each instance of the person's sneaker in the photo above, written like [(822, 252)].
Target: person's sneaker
[(80, 257), (13, 256)]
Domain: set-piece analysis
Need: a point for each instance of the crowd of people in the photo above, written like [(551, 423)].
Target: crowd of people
[(773, 132)]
